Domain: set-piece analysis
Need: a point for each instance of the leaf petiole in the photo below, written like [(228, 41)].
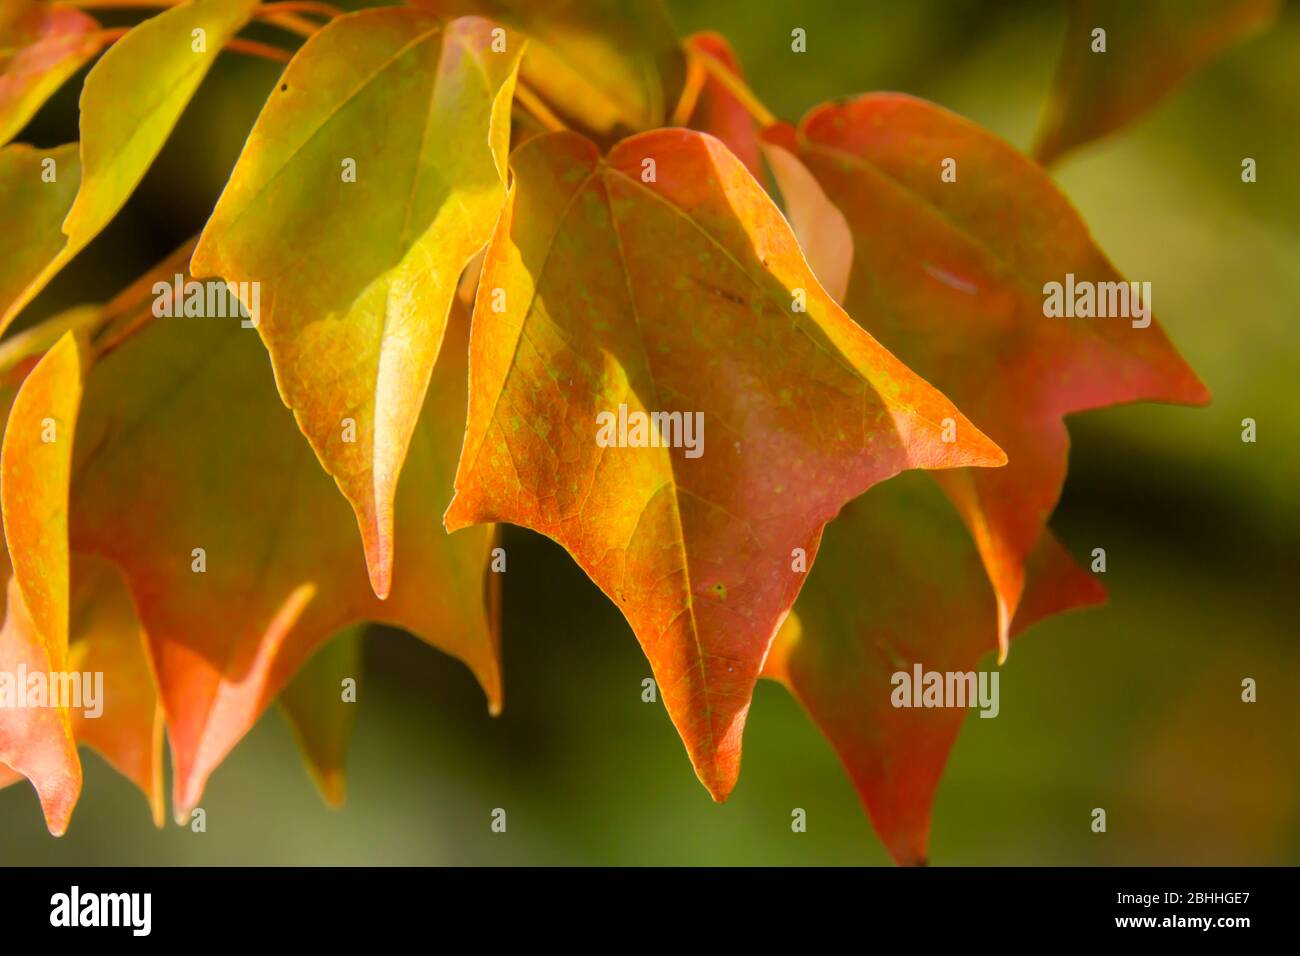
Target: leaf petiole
[(533, 103), (691, 89), (735, 86)]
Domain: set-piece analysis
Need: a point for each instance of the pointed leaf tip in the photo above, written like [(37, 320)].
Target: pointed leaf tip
[(355, 291)]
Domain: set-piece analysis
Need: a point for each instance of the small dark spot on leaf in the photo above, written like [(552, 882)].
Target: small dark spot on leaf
[(283, 87)]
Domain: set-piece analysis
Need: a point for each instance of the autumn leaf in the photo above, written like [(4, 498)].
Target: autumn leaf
[(610, 67), (35, 463), (131, 100), (716, 110), (1106, 80), (127, 728), (953, 277), (899, 585), (820, 227), (107, 639), (320, 715), (239, 553), (41, 47), (36, 741), (356, 273), (35, 470), (823, 232), (608, 291)]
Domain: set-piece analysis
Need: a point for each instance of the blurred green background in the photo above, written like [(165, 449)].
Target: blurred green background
[(1133, 707)]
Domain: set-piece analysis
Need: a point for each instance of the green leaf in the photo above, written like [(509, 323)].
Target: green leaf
[(355, 278), (611, 67), (1151, 47), (37, 188), (319, 714)]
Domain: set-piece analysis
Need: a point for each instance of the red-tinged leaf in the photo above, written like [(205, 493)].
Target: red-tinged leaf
[(36, 735), (676, 296), (35, 741), (1150, 48), (899, 585), (608, 66), (41, 46), (127, 731), (952, 277), (321, 714), (131, 100), (717, 112), (107, 639), (229, 474), (356, 277)]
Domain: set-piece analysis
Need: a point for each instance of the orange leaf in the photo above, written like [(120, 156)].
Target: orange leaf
[(900, 586), (719, 113), (36, 735), (609, 293), (108, 640), (240, 554)]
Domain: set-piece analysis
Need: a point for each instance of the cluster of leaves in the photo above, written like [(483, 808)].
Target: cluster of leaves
[(605, 196)]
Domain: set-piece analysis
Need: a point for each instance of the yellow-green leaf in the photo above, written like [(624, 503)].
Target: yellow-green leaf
[(37, 187), (610, 66), (371, 178), (320, 710)]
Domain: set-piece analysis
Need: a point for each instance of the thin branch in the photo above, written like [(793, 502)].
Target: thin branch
[(290, 22), (253, 48), (120, 4), (302, 6)]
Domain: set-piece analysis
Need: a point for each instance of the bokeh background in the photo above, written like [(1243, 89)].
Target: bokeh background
[(1134, 707)]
